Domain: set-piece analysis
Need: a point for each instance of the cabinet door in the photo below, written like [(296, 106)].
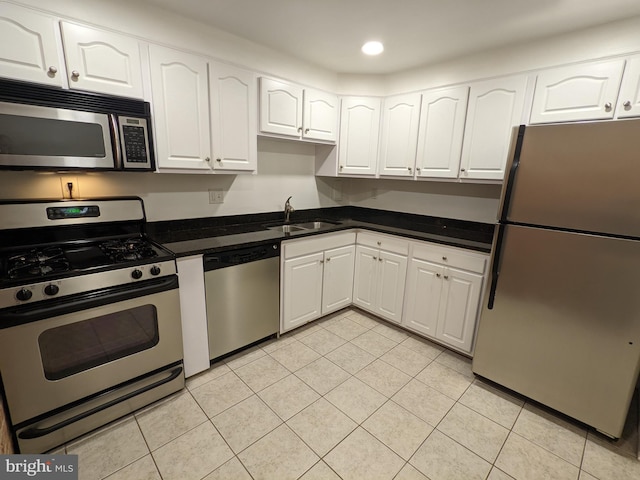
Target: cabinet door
[(392, 273), (181, 109), (459, 308), (364, 282), (302, 285), (359, 129), (577, 92), (320, 112), (280, 108), (441, 130), (399, 138), (233, 118), (424, 291), (629, 98), (28, 47), (101, 61), (337, 283), (495, 107)]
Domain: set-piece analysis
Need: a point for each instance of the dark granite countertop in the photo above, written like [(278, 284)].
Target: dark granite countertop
[(214, 234)]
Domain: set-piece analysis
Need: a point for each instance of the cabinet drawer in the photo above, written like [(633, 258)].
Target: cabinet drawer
[(450, 256), (318, 243), (384, 242)]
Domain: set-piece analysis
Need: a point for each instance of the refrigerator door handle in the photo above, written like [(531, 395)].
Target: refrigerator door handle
[(495, 267), (506, 201)]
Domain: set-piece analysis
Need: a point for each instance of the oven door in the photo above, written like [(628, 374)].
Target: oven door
[(33, 137), (101, 341)]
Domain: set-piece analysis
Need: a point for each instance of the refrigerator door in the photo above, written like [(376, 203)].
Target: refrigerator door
[(581, 176), (564, 327)]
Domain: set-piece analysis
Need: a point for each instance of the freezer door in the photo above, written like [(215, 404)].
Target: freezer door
[(580, 176), (564, 324)]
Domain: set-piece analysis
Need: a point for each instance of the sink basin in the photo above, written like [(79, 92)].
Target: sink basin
[(287, 228), (299, 227), (315, 225)]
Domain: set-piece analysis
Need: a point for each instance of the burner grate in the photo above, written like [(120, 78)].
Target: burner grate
[(37, 263)]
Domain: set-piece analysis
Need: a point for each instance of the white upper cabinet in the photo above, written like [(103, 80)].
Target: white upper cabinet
[(441, 131), (629, 98), (359, 130), (320, 115), (399, 138), (233, 118), (29, 47), (181, 109), (288, 109), (101, 61), (280, 107), (577, 92), (495, 107)]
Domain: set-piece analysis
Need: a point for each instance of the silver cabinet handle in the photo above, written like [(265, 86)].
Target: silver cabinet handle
[(607, 106), (418, 169), (444, 258), (438, 275), (462, 170), (379, 243), (321, 261), (375, 258), (379, 259), (410, 169), (446, 277), (75, 74), (299, 129), (626, 104), (207, 159), (329, 259), (219, 160), (306, 130), (341, 167), (53, 70)]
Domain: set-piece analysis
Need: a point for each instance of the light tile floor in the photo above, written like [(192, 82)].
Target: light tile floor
[(349, 397)]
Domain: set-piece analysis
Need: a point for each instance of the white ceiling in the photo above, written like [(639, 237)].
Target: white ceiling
[(329, 33)]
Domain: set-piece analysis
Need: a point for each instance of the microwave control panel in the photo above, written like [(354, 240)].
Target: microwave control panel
[(135, 142)]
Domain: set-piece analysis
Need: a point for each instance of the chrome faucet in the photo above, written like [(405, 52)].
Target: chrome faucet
[(287, 210)]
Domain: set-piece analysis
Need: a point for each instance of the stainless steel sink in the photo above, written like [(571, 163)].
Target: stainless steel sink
[(286, 228), (299, 227)]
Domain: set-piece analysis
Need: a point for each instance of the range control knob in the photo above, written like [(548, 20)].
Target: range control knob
[(136, 274), (155, 270), (51, 289), (24, 294)]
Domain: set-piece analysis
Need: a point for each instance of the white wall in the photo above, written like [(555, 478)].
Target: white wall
[(284, 169)]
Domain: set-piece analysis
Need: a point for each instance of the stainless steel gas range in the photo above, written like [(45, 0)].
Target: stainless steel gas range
[(89, 317)]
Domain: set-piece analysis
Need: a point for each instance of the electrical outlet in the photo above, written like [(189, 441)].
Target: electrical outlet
[(74, 191), (216, 196)]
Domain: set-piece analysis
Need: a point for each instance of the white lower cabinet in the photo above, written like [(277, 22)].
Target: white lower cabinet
[(380, 272), (317, 277), (443, 294)]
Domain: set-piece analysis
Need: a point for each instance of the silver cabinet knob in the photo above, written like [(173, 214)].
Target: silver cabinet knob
[(53, 70), (321, 261), (607, 106), (75, 74), (375, 258), (299, 129), (418, 169), (379, 259), (329, 259), (379, 243), (306, 130), (463, 170), (207, 159), (341, 167), (410, 170), (219, 160), (438, 275), (446, 277), (444, 258), (627, 104)]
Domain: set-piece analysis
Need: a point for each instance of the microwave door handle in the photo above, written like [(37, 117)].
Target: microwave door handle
[(115, 141)]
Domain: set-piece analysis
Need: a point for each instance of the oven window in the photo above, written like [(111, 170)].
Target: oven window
[(79, 346)]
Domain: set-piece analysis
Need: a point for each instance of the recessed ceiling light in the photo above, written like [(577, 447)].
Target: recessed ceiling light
[(372, 48)]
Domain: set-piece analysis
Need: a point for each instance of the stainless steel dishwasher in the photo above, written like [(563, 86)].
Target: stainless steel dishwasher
[(243, 296)]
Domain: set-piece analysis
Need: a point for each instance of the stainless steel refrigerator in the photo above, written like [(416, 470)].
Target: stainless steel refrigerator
[(560, 322)]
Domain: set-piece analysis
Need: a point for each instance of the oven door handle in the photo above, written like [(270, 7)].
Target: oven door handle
[(36, 432), (31, 313)]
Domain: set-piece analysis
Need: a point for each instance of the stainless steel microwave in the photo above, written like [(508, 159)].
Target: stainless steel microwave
[(46, 128)]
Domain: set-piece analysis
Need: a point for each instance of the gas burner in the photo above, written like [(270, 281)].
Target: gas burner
[(127, 249), (37, 263)]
